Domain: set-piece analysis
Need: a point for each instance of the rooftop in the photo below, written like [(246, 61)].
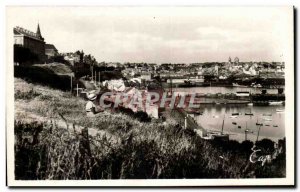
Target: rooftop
[(22, 31)]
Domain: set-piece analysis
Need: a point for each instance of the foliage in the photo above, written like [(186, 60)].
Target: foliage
[(24, 55), (119, 145)]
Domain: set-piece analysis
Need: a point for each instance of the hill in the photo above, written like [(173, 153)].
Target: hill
[(57, 68), (55, 75), (55, 140)]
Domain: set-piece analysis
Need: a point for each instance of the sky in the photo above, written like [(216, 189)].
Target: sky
[(162, 34)]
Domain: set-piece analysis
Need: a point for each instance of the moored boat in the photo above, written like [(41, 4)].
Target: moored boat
[(279, 110), (237, 85), (275, 102), (267, 114), (243, 93), (267, 119)]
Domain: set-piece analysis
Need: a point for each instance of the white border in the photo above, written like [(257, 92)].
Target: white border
[(159, 182)]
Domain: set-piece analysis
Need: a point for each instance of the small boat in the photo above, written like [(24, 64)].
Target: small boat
[(248, 130), (275, 125), (257, 86), (249, 113), (235, 114), (279, 110), (275, 102), (242, 93), (239, 127), (258, 123), (217, 103), (267, 114), (234, 123), (267, 125), (237, 85), (267, 119), (250, 104)]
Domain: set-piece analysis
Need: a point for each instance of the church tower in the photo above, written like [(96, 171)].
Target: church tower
[(38, 32)]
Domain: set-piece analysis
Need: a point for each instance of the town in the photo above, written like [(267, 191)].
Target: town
[(232, 100)]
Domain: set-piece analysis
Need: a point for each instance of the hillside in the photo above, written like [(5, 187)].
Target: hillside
[(57, 68), (55, 75), (51, 143)]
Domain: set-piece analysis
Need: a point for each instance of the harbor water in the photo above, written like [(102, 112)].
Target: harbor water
[(273, 122), (214, 90)]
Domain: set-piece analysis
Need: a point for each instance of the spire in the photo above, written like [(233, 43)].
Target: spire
[(38, 31)]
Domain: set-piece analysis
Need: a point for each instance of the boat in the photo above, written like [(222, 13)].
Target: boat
[(243, 93), (250, 104), (249, 113), (275, 102), (258, 123), (234, 123), (267, 114), (275, 125), (249, 131), (239, 127), (279, 110), (257, 86), (235, 114), (267, 125), (267, 119), (237, 85)]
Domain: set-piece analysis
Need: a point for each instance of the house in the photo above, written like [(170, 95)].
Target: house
[(72, 58), (50, 50), (24, 38)]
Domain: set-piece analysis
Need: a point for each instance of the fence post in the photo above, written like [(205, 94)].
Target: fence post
[(71, 84), (85, 141), (77, 90), (99, 78)]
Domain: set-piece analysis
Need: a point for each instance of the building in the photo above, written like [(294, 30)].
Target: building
[(50, 51), (73, 58), (33, 41)]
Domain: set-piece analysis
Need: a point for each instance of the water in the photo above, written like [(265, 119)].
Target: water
[(212, 119), (214, 90)]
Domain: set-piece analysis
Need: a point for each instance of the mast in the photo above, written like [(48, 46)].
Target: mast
[(223, 125), (258, 132)]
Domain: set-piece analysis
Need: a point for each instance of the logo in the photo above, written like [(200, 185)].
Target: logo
[(258, 155)]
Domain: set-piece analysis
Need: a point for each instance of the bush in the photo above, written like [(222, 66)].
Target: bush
[(26, 95), (43, 76)]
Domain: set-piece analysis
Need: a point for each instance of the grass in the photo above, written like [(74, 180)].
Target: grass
[(122, 147)]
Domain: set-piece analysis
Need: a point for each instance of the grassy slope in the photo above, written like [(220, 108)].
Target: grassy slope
[(128, 149), (54, 75), (57, 68)]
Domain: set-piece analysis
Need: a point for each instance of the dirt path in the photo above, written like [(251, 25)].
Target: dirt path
[(29, 117)]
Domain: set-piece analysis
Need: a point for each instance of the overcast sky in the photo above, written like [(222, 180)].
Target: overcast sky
[(165, 34)]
